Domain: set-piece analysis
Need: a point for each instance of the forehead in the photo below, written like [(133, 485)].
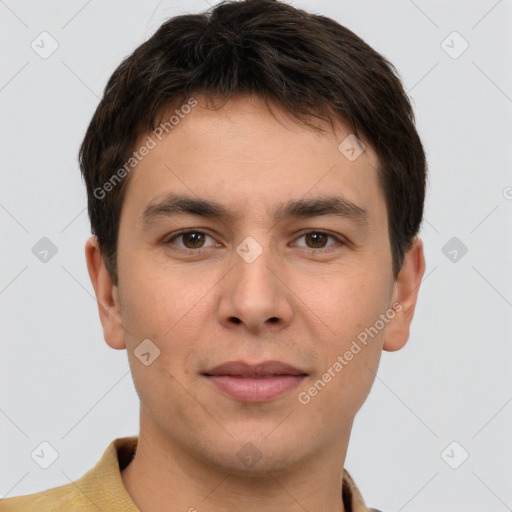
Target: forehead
[(246, 156)]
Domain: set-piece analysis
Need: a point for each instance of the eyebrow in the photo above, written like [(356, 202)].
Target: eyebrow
[(176, 204)]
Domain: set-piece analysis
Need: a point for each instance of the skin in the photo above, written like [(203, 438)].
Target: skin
[(202, 309)]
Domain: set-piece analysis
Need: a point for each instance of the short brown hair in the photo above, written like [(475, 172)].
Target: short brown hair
[(310, 64)]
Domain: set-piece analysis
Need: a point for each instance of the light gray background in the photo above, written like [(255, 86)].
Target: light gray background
[(62, 384)]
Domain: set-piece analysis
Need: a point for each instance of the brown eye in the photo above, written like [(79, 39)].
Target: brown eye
[(192, 239), (318, 240)]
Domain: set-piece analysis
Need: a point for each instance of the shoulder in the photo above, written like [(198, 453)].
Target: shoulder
[(101, 488), (59, 499)]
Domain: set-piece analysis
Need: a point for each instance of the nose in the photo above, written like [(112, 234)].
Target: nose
[(255, 294)]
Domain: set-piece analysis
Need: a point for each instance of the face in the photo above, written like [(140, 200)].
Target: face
[(260, 276)]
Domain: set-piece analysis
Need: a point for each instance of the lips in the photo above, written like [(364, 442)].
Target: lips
[(242, 369), (261, 382)]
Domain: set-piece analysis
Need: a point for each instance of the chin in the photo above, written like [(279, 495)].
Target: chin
[(255, 455)]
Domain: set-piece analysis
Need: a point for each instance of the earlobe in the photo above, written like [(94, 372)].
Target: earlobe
[(405, 295), (107, 295)]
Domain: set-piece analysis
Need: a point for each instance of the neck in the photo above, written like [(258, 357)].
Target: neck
[(163, 476)]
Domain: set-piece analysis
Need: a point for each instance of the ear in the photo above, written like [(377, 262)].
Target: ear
[(405, 295), (107, 295)]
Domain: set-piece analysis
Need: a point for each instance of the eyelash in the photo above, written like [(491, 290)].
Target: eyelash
[(176, 235)]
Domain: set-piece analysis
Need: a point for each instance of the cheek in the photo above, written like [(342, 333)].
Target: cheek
[(351, 349), (169, 309), (155, 300), (158, 309), (350, 300), (350, 357)]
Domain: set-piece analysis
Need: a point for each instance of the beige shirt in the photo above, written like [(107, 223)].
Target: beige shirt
[(101, 488)]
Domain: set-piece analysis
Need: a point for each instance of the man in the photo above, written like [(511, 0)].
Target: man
[(255, 188)]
